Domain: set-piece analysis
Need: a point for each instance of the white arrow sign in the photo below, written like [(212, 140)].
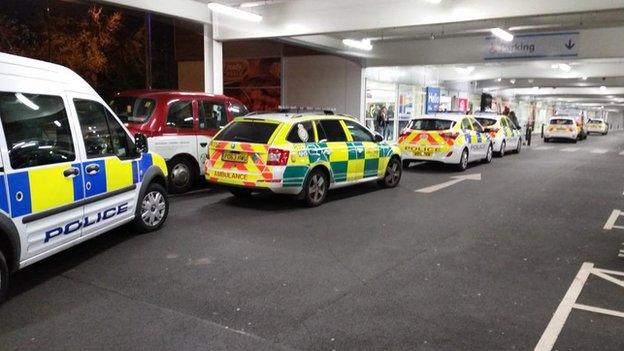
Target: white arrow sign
[(455, 180)]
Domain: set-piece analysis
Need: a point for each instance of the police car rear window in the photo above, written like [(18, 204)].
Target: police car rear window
[(431, 124), (486, 122), (247, 132), (561, 121)]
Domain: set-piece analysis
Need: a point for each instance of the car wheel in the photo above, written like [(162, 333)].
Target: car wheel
[(501, 153), (240, 192), (4, 278), (315, 188), (463, 161), (182, 174), (488, 154), (152, 209), (519, 147), (392, 177)]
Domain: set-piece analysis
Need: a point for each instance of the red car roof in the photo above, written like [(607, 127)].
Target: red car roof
[(172, 94)]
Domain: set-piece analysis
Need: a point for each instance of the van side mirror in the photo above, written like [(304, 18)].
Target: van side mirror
[(140, 140), (378, 138)]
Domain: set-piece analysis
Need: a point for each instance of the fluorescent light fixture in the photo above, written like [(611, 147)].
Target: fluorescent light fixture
[(364, 44), (249, 4), (57, 123), (603, 88), (535, 88), (512, 81), (584, 78), (499, 79), (232, 12), (26, 101), (434, 1), (465, 71), (502, 34)]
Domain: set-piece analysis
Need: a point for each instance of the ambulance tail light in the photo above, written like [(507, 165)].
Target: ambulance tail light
[(451, 135), (278, 157)]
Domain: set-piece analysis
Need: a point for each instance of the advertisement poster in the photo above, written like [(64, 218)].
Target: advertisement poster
[(433, 100), (255, 82), (462, 104)]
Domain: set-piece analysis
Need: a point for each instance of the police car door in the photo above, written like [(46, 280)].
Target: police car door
[(363, 150), (480, 136), (42, 175), (110, 173)]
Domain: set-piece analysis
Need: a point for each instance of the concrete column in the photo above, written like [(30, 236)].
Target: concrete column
[(213, 62)]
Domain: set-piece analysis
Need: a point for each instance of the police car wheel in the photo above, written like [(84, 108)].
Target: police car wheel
[(488, 155), (519, 147), (393, 174), (315, 188), (152, 209), (463, 161), (4, 278), (182, 175), (501, 153)]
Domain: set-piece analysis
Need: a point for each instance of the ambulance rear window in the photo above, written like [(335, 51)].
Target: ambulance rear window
[(486, 122), (247, 132), (431, 124)]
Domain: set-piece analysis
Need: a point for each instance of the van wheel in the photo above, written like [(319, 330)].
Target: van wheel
[(4, 278), (392, 177), (315, 188), (152, 209), (463, 161), (182, 174)]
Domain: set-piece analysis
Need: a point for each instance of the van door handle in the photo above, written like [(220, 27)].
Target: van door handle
[(71, 172), (203, 144), (92, 169)]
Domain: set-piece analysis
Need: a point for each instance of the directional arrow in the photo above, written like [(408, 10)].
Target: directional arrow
[(570, 44), (455, 180)]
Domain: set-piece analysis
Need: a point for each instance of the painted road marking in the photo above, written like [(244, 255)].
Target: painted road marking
[(571, 149), (543, 148), (599, 151), (455, 180), (610, 224), (548, 339), (621, 153)]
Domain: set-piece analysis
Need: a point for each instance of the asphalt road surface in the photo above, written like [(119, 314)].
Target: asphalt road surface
[(479, 265)]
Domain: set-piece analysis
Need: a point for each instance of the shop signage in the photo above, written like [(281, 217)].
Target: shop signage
[(557, 44), (433, 100), (462, 104)]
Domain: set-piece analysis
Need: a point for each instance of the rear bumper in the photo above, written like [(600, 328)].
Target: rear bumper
[(231, 178), (596, 130), (561, 135), (443, 157)]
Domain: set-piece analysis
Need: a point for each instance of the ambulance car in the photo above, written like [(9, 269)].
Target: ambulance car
[(598, 126), (561, 128), (454, 139), (69, 170), (303, 154), (505, 135)]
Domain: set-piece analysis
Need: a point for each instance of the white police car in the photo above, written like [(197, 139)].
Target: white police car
[(69, 170)]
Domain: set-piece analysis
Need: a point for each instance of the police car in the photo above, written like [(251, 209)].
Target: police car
[(505, 135), (598, 126), (561, 127), (69, 170), (448, 138), (301, 154)]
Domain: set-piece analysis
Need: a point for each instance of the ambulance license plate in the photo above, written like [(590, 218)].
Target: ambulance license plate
[(230, 156)]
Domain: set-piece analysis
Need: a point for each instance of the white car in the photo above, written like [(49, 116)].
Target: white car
[(598, 126), (561, 128), (505, 135), (448, 138), (69, 169)]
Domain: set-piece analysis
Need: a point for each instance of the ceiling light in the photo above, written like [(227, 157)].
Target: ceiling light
[(247, 5), (364, 44), (502, 34), (603, 88), (499, 79), (512, 81), (562, 66), (584, 78), (531, 81), (26, 101), (232, 12), (434, 1), (535, 88), (465, 71)]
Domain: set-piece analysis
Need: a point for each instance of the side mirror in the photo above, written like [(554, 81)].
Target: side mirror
[(378, 138), (140, 140)]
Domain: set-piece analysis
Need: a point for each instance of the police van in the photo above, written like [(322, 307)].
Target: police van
[(69, 170)]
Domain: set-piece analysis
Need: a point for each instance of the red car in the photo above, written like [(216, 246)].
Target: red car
[(178, 126)]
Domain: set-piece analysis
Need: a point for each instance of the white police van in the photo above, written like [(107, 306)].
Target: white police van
[(69, 170)]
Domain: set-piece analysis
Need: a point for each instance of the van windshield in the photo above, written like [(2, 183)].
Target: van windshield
[(131, 109), (561, 121), (431, 124), (247, 132)]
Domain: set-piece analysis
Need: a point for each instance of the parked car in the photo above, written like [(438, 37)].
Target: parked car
[(300, 154), (505, 135), (598, 126), (178, 126), (559, 128), (69, 169), (448, 138)]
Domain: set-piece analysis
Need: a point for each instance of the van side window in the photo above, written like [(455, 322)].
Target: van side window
[(36, 129), (301, 132), (212, 115), (238, 110), (102, 134), (180, 114)]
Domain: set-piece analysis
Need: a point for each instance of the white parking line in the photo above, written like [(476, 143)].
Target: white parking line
[(571, 149), (543, 148), (599, 151), (610, 224), (621, 153)]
